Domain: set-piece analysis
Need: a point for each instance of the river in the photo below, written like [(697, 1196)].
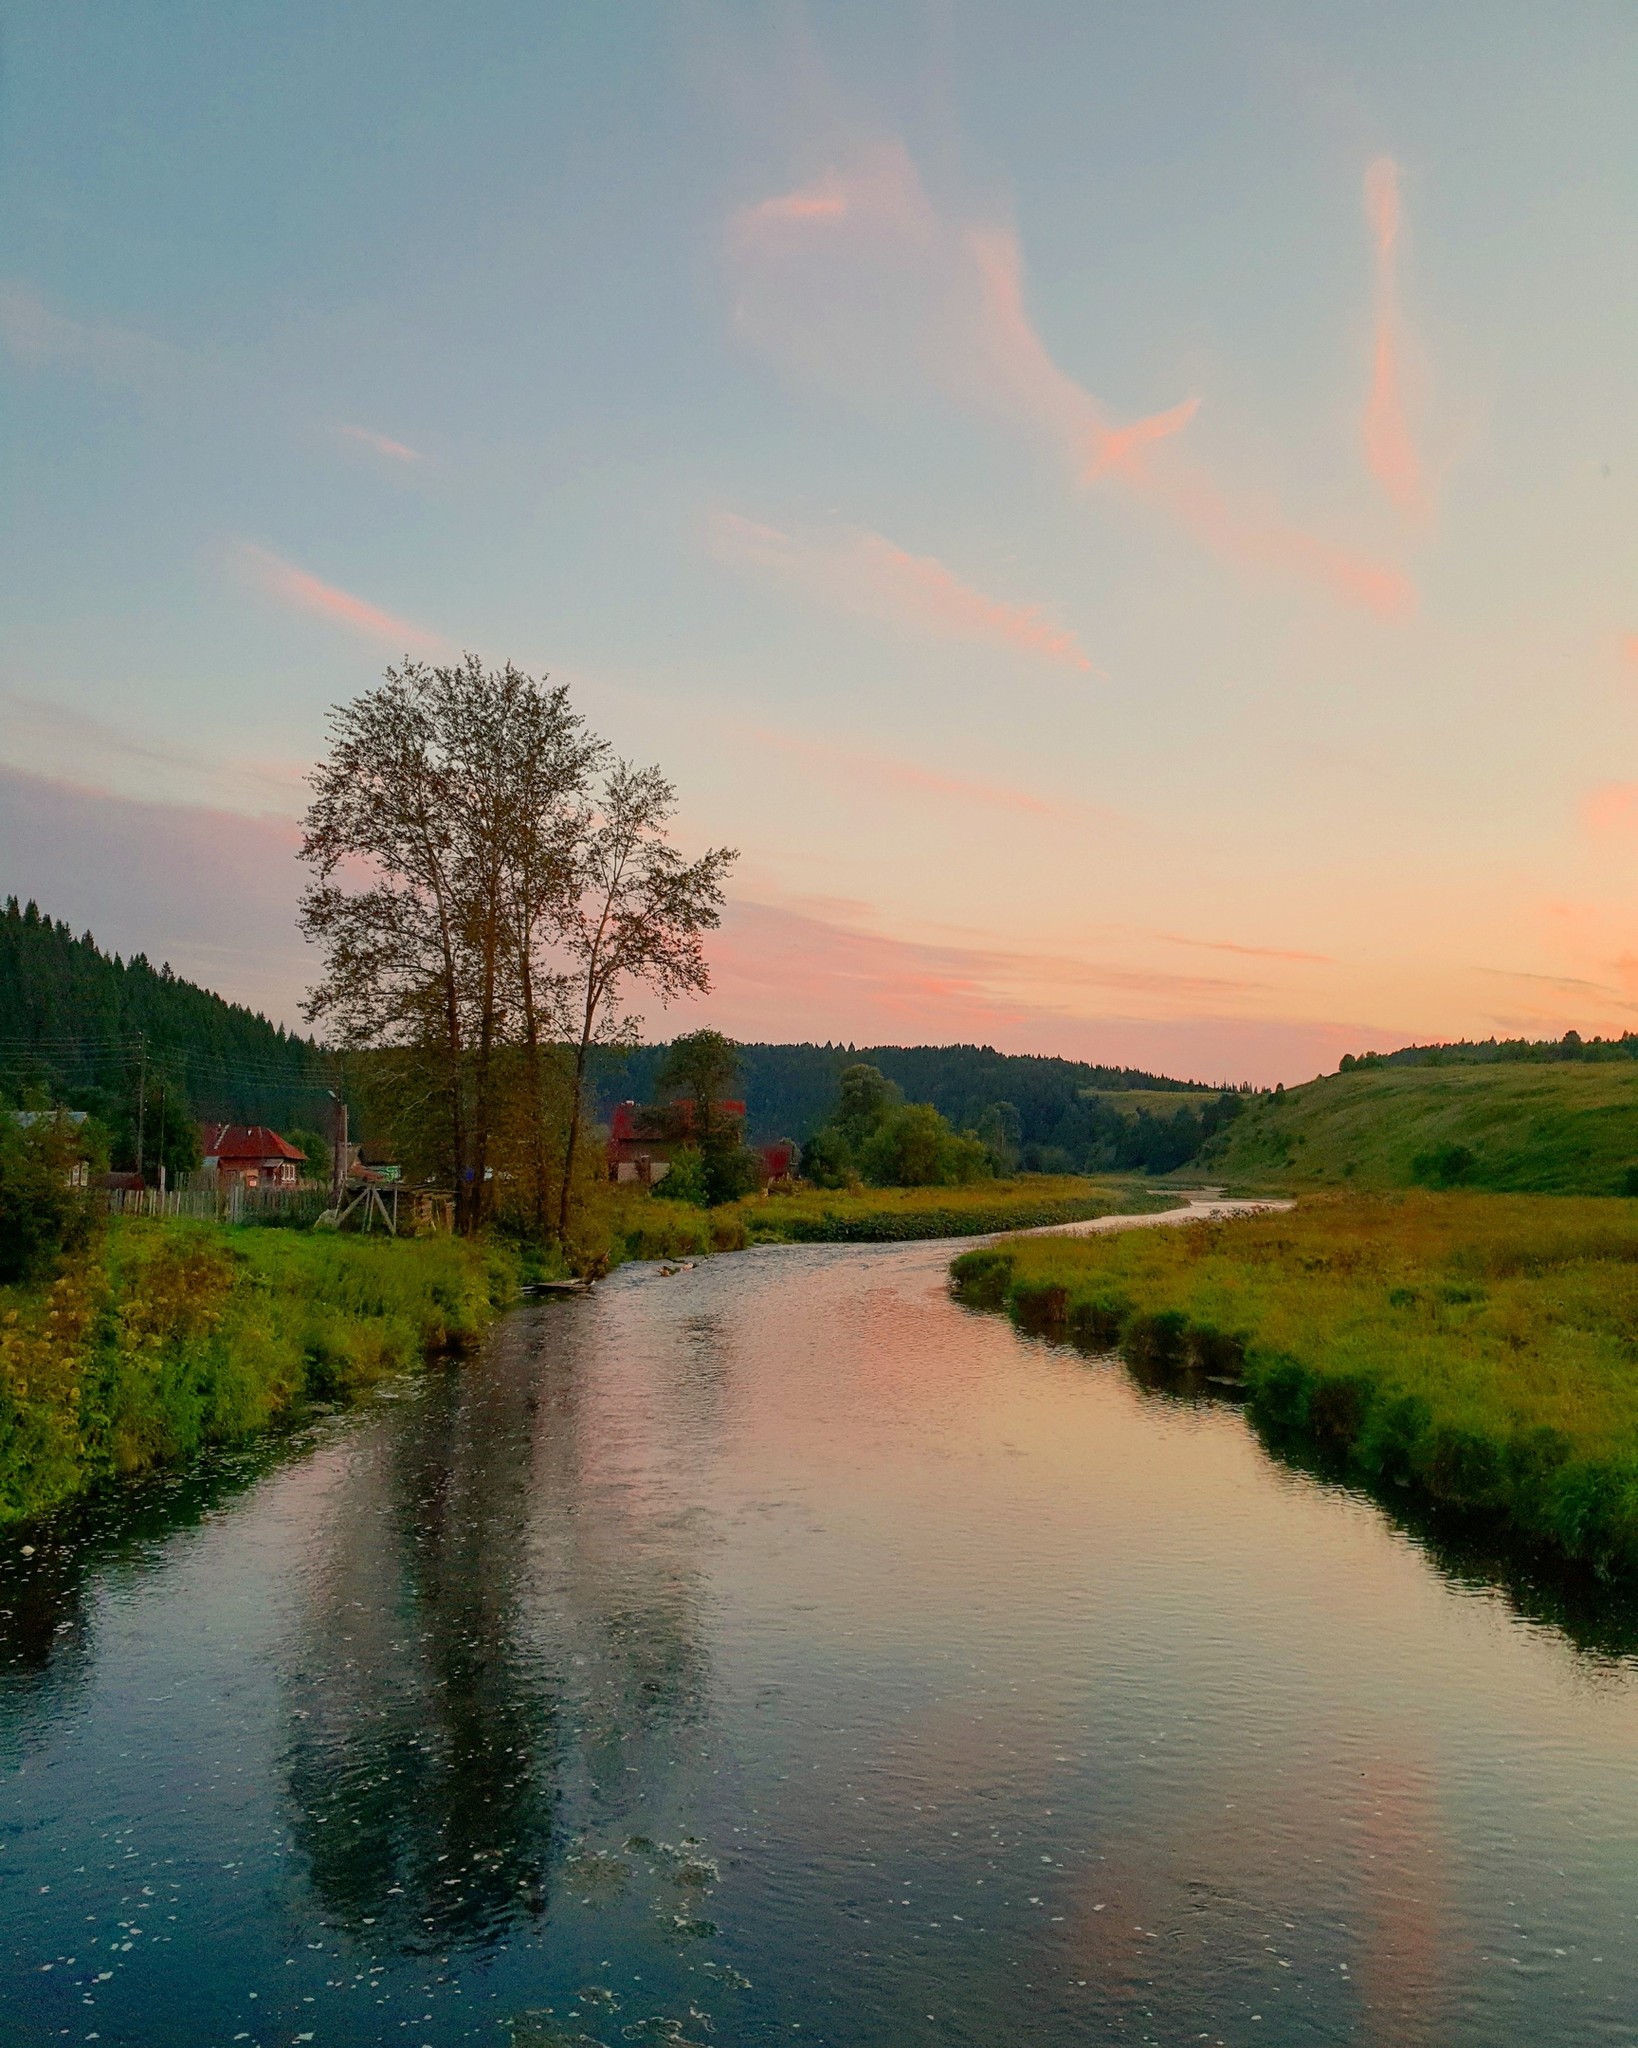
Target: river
[(779, 1652)]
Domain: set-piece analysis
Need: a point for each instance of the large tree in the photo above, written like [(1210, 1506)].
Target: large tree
[(452, 801), (637, 913)]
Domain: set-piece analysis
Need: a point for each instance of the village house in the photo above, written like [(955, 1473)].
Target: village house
[(250, 1154), (642, 1141)]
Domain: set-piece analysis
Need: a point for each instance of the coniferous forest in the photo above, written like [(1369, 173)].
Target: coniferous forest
[(77, 1025)]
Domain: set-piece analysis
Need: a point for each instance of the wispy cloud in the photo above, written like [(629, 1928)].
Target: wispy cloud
[(867, 573), (1249, 952), (296, 588), (865, 765), (36, 333), (857, 281), (1609, 810), (55, 739), (1390, 452), (378, 444)]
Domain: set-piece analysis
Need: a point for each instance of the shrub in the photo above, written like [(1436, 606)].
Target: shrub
[(42, 1213), (1444, 1166)]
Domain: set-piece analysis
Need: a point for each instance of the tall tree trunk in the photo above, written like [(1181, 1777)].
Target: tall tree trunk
[(537, 1091)]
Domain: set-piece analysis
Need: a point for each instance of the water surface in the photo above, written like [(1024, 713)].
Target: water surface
[(777, 1651)]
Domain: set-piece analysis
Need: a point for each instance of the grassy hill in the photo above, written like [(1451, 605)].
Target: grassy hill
[(1568, 1128)]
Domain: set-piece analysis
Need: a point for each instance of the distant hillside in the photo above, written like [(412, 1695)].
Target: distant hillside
[(1563, 1127), (73, 1020), (1071, 1116)]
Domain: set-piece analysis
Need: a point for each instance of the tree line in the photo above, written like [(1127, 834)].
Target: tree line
[(1061, 1115)]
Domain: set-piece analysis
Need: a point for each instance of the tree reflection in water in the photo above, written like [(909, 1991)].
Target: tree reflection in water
[(469, 1649)]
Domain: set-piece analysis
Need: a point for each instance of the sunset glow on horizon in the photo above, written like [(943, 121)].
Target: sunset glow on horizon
[(1125, 522)]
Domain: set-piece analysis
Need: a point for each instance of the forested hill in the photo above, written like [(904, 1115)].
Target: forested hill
[(73, 1020), (1495, 1052), (1070, 1115)]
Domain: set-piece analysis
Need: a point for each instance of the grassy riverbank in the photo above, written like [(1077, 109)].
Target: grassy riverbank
[(171, 1336), (648, 1227), (1479, 1350)]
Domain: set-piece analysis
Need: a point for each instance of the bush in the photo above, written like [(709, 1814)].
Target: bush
[(685, 1179), (827, 1159), (1444, 1166), (42, 1214)]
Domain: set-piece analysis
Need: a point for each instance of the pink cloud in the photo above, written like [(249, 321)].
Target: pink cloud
[(1629, 650), (862, 764), (378, 444), (784, 973), (858, 282), (1120, 444), (866, 572), (295, 588), (214, 892), (1609, 810), (1390, 452)]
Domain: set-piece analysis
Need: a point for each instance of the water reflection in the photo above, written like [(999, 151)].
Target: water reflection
[(422, 1756), (1474, 1552), (469, 1639), (781, 1650)]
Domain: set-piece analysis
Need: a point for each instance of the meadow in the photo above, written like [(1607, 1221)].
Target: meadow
[(168, 1337), (646, 1226), (1566, 1128), (1479, 1350)]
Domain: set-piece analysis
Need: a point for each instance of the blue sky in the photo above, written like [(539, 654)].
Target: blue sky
[(1125, 517)]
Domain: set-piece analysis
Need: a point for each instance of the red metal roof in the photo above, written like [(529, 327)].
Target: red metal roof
[(235, 1142)]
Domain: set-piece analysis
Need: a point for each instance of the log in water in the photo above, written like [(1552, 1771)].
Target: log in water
[(776, 1651)]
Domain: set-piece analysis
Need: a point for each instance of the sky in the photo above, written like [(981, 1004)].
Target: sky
[(1127, 519)]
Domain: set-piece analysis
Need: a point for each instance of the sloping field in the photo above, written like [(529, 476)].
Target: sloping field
[(1564, 1129)]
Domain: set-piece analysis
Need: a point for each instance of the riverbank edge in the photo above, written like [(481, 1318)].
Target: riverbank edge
[(1529, 1490), (661, 1229), (169, 1338)]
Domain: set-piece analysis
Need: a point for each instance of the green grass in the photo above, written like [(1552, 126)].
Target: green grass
[(1568, 1128), (1157, 1102), (173, 1336), (1481, 1350), (646, 1226), (892, 1215)]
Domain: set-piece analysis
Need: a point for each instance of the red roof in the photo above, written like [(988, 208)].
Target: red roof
[(629, 1125), (235, 1142)]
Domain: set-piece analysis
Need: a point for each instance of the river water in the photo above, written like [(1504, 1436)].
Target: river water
[(780, 1652)]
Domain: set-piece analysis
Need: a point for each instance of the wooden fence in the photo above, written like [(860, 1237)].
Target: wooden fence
[(410, 1212), (227, 1202)]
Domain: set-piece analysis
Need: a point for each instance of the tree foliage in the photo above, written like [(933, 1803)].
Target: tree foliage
[(43, 1213), (874, 1135), (488, 886)]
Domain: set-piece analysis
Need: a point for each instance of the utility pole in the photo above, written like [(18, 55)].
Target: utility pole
[(161, 1141), (338, 1149), (142, 1107)]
